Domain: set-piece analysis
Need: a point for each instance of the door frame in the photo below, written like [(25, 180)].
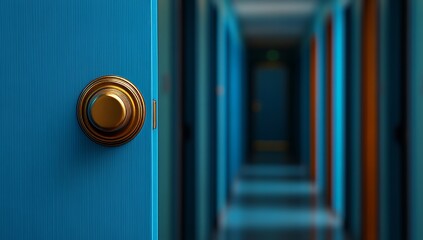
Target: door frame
[(154, 132), (313, 109), (329, 110)]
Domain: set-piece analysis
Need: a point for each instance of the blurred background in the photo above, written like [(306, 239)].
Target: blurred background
[(290, 119)]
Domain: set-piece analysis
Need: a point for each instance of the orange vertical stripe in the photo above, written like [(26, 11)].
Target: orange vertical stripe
[(369, 121), (313, 95)]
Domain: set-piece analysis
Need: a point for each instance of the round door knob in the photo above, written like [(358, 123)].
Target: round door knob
[(111, 111), (108, 110)]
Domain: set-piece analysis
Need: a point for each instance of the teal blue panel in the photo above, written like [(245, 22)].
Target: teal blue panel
[(167, 160), (321, 103), (203, 124), (222, 96), (392, 121), (339, 110), (271, 92), (55, 182), (355, 88), (228, 97), (415, 133), (305, 104), (336, 10), (235, 109)]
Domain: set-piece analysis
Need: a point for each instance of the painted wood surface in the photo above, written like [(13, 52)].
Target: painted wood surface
[(370, 165), (55, 182)]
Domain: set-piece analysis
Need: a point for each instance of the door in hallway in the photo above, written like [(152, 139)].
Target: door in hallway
[(270, 112), (55, 182)]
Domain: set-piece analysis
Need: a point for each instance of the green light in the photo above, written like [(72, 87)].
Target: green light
[(272, 55)]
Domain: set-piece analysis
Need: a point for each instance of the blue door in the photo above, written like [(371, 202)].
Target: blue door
[(270, 112), (55, 183)]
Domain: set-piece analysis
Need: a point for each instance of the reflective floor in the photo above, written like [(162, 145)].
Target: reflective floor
[(276, 202)]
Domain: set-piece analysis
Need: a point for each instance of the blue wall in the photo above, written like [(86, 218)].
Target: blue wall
[(202, 121), (339, 107), (166, 113), (335, 9), (321, 118), (236, 120), (229, 100), (353, 148), (304, 104), (392, 123), (415, 134)]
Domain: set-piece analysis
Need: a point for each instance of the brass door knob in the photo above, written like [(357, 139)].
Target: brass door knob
[(111, 110)]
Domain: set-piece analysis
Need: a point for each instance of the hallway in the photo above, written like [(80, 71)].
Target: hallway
[(277, 202), (290, 119)]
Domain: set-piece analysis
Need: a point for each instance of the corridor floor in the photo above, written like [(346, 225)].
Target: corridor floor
[(277, 202)]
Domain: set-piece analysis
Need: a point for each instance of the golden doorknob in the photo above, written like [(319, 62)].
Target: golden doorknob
[(111, 110), (108, 110)]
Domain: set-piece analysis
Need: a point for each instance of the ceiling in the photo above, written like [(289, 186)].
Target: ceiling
[(275, 21)]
